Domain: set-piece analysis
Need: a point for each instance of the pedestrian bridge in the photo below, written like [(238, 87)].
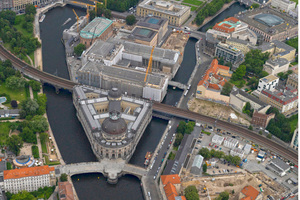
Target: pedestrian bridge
[(111, 170), (177, 84)]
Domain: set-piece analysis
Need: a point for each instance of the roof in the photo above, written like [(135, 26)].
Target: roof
[(180, 198), (173, 178), (269, 78), (197, 161), (282, 95), (10, 111), (95, 28), (227, 25), (143, 34), (170, 191), (27, 172), (250, 193), (247, 96), (279, 163), (152, 22), (277, 62), (269, 19), (65, 191)]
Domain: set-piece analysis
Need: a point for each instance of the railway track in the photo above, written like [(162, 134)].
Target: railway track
[(67, 84)]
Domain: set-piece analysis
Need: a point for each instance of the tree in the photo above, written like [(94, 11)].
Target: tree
[(30, 9), (35, 85), (239, 73), (8, 15), (28, 135), (223, 196), (39, 124), (269, 136), (43, 137), (42, 101), (107, 13), (181, 127), (255, 5), (226, 89), (79, 49), (253, 83), (205, 153), (15, 143), (23, 195), (14, 104), (130, 19), (293, 42), (260, 132), (204, 168), (14, 82), (250, 127), (64, 177), (191, 193), (178, 139), (221, 61), (29, 107), (236, 160)]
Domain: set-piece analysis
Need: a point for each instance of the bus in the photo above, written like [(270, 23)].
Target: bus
[(185, 93)]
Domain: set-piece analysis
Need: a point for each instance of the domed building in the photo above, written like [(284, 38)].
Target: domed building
[(113, 123)]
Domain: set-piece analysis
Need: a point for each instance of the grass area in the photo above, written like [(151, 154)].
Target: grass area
[(21, 19), (171, 156), (27, 92), (238, 83), (193, 2), (18, 95), (44, 146), (175, 148), (8, 166), (193, 8), (293, 122), (205, 132), (35, 94), (48, 162), (294, 63), (4, 131), (32, 57), (35, 151)]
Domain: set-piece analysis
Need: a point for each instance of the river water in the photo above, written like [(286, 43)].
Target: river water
[(68, 132)]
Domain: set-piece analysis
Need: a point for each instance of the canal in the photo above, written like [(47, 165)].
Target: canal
[(229, 12)]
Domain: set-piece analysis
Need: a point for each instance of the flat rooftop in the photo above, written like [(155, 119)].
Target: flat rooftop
[(152, 22), (269, 78), (143, 34), (268, 20), (95, 28)]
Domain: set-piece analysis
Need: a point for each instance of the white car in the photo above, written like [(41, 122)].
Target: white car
[(154, 177)]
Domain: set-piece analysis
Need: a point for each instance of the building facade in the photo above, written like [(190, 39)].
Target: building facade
[(100, 28), (237, 152), (284, 5), (19, 5), (292, 80), (229, 53), (294, 142), (269, 82), (29, 179), (278, 166), (261, 119), (113, 123), (275, 66), (176, 14), (278, 49), (6, 5)]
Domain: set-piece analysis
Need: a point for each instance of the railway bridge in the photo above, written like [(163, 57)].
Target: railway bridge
[(164, 109)]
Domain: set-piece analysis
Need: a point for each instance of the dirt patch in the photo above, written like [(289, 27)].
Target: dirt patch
[(176, 41), (120, 23), (216, 110), (26, 149)]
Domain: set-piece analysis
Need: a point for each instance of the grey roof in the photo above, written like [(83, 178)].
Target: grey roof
[(198, 161), (126, 74), (248, 96), (238, 41), (2, 166), (10, 111), (278, 61), (148, 22), (96, 27), (101, 48), (114, 93), (279, 163), (282, 93), (269, 19), (113, 125), (143, 34), (283, 45)]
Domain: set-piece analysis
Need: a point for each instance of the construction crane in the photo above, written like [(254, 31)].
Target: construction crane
[(84, 4), (77, 21), (149, 68), (95, 2), (93, 35)]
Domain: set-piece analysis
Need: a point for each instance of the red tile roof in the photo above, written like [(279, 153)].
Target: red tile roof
[(26, 172), (249, 191), (170, 191), (65, 191), (173, 178)]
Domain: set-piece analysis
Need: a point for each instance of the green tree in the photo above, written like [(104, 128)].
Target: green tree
[(204, 168), (14, 82), (269, 136), (178, 139), (181, 127), (226, 89), (79, 49), (260, 132), (223, 196), (236, 160), (130, 20), (8, 15), (253, 83), (35, 85), (205, 153), (239, 72), (29, 107), (250, 127), (64, 177), (42, 102), (28, 135), (293, 42), (107, 13), (30, 9), (43, 137), (255, 5), (39, 124), (15, 143), (191, 193)]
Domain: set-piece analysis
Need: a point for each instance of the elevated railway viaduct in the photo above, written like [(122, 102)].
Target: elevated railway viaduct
[(58, 83)]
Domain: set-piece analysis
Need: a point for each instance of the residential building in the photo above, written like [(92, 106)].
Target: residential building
[(278, 49), (211, 85), (230, 142), (9, 113), (243, 45), (65, 191), (171, 184), (99, 28), (197, 165), (213, 38), (237, 152), (249, 193), (6, 5), (149, 31), (278, 166), (217, 139), (230, 25), (239, 98), (269, 23), (292, 80), (269, 82), (19, 5), (29, 179), (276, 65), (294, 142), (247, 148), (177, 14), (229, 53), (284, 99), (284, 5), (260, 119)]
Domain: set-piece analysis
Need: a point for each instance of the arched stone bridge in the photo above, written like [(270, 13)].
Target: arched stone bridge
[(111, 170)]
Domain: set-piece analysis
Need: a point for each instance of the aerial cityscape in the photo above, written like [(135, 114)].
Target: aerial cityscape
[(149, 99)]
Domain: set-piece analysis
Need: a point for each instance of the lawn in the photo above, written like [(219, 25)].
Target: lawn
[(51, 163), (20, 19), (193, 2), (238, 83), (18, 95), (205, 132), (4, 131), (293, 122), (193, 8), (44, 146)]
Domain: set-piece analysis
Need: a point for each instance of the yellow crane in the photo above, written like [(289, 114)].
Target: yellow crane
[(77, 21), (149, 68), (95, 2), (84, 4)]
